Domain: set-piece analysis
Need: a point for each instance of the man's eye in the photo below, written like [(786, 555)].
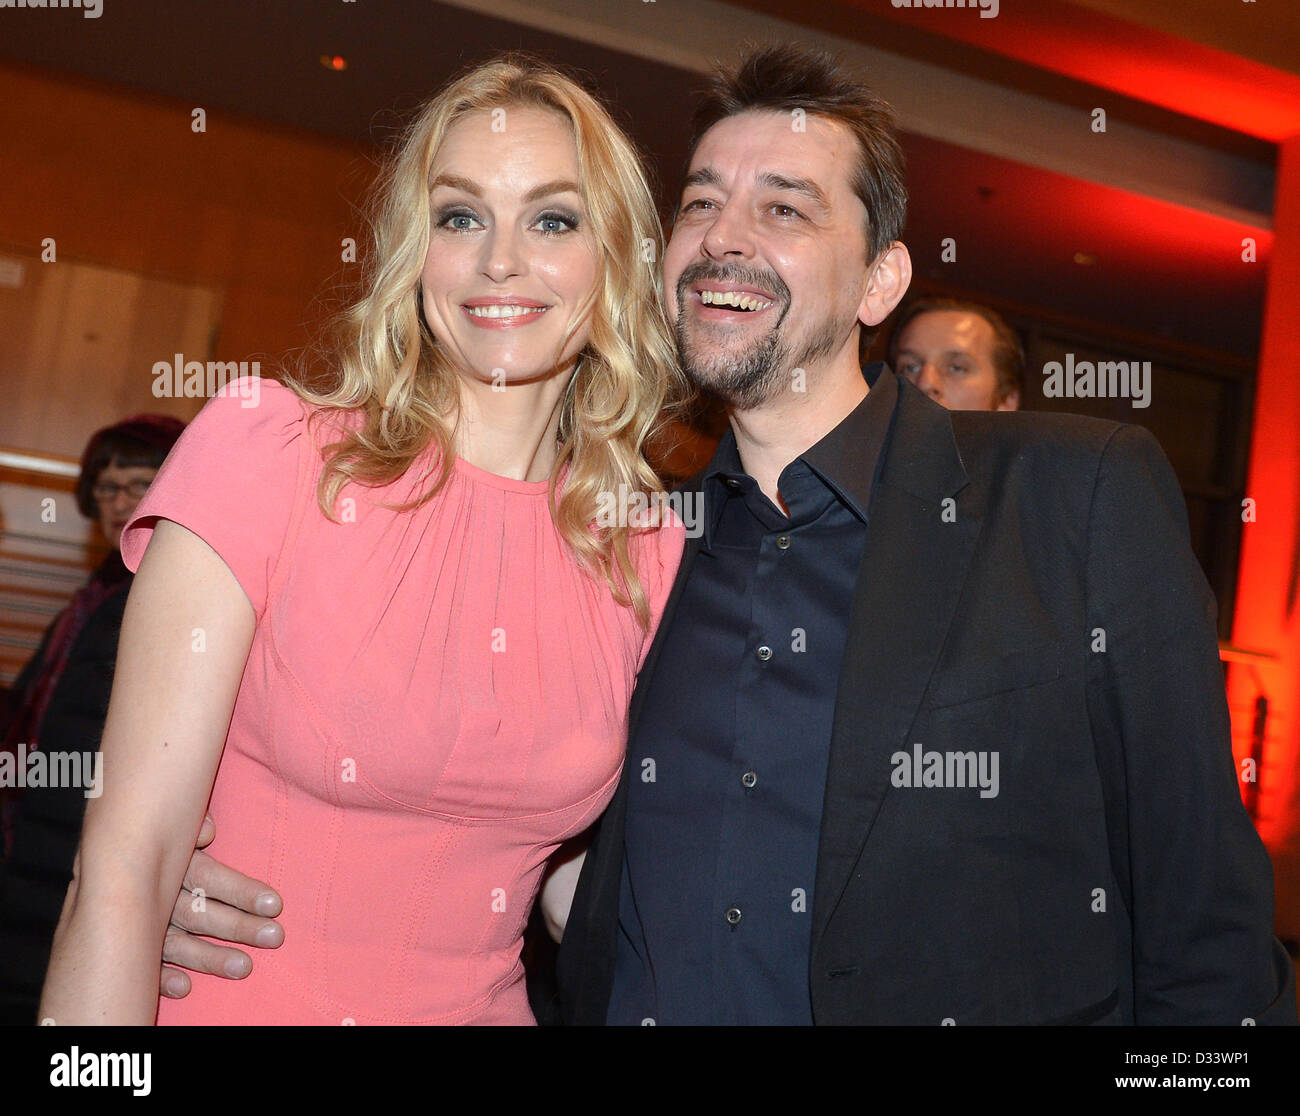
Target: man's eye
[(789, 210), (697, 203)]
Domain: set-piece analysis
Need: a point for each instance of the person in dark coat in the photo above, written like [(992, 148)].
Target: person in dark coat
[(58, 705)]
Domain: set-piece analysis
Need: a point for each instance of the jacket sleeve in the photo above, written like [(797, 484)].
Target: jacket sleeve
[(1192, 872)]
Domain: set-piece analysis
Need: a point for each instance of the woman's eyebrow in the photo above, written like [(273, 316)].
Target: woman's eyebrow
[(545, 189), (455, 182), (558, 186)]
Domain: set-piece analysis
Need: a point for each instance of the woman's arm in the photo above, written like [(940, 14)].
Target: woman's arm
[(185, 640)]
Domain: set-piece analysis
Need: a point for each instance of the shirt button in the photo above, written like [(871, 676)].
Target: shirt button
[(749, 779), (783, 542), (733, 915), (764, 653)]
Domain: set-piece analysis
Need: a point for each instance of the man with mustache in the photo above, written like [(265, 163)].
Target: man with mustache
[(933, 730)]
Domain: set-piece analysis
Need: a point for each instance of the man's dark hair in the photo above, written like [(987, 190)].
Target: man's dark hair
[(1008, 352), (785, 77)]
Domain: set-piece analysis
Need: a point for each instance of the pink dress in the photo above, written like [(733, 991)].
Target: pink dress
[(433, 701)]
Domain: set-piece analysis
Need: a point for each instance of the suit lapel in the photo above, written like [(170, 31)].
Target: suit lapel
[(907, 588)]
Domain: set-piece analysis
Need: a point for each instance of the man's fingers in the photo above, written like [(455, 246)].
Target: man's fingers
[(225, 885), (217, 902), (206, 832), (180, 948), (214, 919), (174, 984)]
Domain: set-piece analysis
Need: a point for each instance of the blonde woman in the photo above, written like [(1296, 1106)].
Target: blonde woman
[(382, 617)]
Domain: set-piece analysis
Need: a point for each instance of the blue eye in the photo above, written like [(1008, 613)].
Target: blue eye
[(457, 220), (556, 224)]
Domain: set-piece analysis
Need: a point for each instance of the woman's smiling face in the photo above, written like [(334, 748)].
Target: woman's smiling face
[(511, 255)]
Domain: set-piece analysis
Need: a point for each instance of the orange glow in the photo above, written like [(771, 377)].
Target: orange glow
[(1268, 593), (1132, 60)]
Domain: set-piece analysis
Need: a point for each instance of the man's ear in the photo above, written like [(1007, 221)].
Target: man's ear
[(1010, 401), (890, 277)]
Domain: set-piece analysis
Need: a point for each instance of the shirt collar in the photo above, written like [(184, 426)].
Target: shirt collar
[(847, 459)]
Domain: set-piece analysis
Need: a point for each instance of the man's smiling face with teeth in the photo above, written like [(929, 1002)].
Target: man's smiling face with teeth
[(767, 264)]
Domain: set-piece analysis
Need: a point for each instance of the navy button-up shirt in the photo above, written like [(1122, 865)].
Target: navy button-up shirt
[(728, 768)]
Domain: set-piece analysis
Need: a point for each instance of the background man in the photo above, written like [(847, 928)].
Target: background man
[(963, 355)]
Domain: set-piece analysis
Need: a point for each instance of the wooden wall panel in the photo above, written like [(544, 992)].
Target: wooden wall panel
[(215, 244), (78, 344), (249, 210)]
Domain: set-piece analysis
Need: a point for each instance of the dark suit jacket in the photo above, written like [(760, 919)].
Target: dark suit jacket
[(1116, 877)]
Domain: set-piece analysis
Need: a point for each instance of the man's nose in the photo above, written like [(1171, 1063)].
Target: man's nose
[(930, 382), (730, 234)]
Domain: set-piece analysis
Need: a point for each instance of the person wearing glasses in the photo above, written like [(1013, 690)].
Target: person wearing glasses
[(58, 704)]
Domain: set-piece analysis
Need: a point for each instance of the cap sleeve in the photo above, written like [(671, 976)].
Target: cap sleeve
[(231, 479)]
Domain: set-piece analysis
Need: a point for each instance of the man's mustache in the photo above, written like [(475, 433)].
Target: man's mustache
[(761, 280)]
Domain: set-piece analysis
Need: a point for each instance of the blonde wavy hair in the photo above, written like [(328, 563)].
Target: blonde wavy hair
[(385, 365)]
